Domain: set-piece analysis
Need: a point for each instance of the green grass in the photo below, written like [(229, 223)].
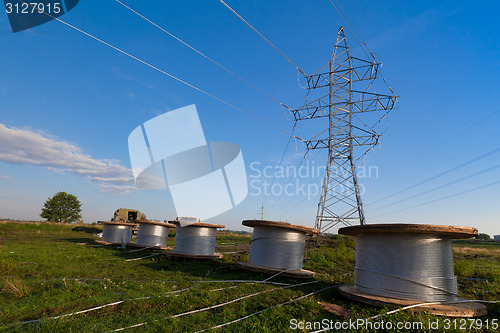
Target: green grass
[(48, 270)]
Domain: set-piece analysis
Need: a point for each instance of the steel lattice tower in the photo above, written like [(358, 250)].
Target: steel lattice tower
[(343, 85)]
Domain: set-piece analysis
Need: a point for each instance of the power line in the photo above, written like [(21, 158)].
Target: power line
[(264, 38), (367, 50), (458, 155), (491, 152), (441, 186), (201, 53), (165, 73), (463, 153), (449, 139), (440, 199), (227, 70), (289, 179), (281, 161)]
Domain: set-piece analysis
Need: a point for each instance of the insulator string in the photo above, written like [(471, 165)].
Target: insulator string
[(195, 240), (277, 248), (406, 266)]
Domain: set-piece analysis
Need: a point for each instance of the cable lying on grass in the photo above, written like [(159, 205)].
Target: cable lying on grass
[(217, 305), (187, 281), (132, 251), (167, 294), (274, 306), (151, 255)]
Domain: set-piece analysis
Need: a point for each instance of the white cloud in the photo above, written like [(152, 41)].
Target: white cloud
[(116, 189), (23, 146), (6, 177)]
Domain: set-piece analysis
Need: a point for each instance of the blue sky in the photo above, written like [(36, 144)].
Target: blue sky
[(68, 103)]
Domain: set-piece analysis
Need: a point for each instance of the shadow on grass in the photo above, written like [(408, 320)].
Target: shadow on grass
[(79, 240), (219, 270), (88, 230)]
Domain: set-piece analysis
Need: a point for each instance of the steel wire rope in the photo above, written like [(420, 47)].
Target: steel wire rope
[(164, 72)]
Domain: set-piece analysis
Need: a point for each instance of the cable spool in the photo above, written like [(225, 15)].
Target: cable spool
[(277, 247), (152, 234), (406, 264), (116, 233), (195, 241)]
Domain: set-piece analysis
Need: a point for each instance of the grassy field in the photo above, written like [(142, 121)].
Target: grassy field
[(49, 270)]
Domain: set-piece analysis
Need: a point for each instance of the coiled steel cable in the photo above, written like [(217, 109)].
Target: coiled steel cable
[(406, 266), (277, 248), (195, 240), (116, 232), (152, 234)]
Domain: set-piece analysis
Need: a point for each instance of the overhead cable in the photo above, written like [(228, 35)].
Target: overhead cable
[(475, 159), (442, 198), (201, 53), (264, 38), (440, 187), (166, 73)]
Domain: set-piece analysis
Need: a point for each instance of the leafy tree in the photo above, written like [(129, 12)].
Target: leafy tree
[(62, 208), (483, 237)]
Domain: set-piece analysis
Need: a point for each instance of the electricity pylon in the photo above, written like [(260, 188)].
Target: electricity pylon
[(344, 99)]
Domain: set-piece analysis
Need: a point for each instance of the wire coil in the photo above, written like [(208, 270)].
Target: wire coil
[(277, 248), (406, 266), (195, 240), (116, 233), (152, 234)]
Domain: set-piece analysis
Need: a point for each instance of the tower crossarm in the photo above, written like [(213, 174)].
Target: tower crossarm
[(369, 139), (362, 70), (362, 101)]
